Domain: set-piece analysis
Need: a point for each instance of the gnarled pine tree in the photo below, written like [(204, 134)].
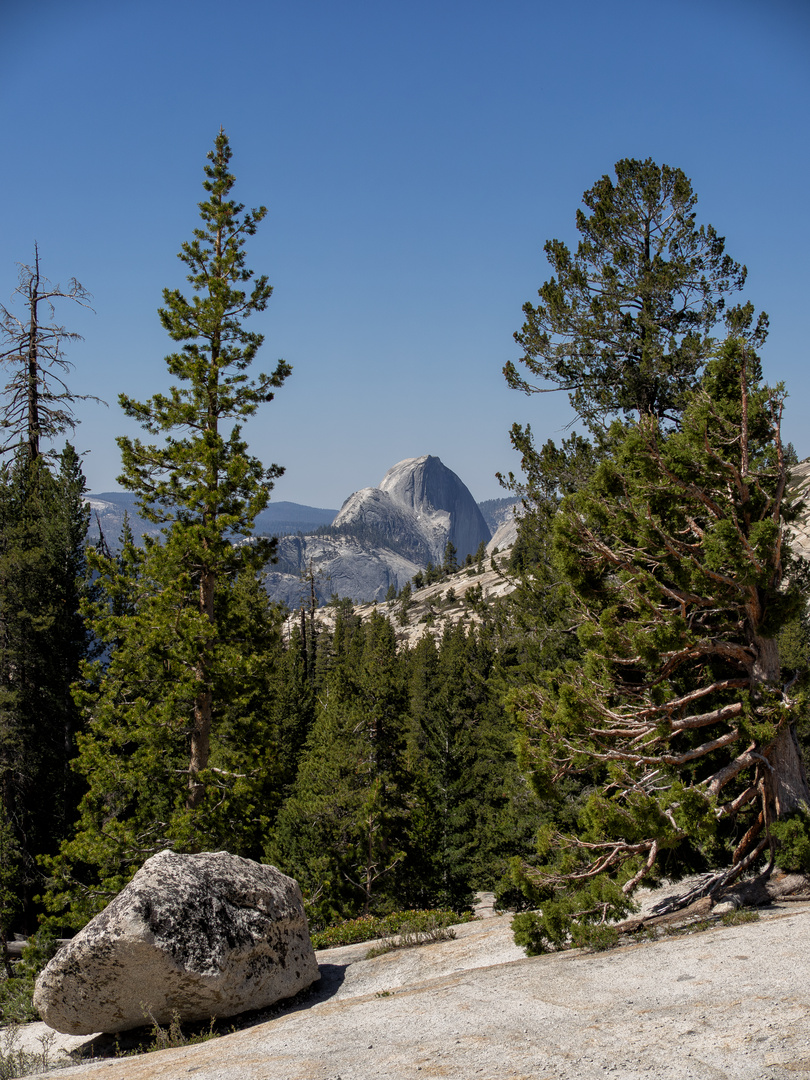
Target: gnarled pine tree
[(675, 722)]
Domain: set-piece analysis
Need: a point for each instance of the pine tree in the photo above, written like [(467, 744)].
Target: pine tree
[(468, 815), (204, 483), (627, 322), (43, 522), (447, 797), (675, 719), (450, 560), (37, 403), (176, 713), (626, 325), (341, 833), (294, 708)]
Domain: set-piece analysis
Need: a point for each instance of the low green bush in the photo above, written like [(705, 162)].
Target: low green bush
[(596, 937), (372, 927), (792, 836), (736, 918), (17, 992)]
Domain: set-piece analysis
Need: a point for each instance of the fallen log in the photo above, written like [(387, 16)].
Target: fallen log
[(14, 949)]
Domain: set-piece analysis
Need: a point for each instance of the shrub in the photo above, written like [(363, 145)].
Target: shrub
[(17, 992), (792, 837), (372, 927)]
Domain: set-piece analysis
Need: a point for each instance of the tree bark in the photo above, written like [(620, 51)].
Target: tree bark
[(203, 703), (32, 363), (785, 781)]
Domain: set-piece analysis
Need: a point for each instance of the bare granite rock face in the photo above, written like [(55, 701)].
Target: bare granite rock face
[(443, 505), (800, 528), (343, 565), (505, 535), (205, 935), (381, 537)]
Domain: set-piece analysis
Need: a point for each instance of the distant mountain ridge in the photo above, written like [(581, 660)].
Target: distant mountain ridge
[(381, 536), (498, 512), (108, 509)]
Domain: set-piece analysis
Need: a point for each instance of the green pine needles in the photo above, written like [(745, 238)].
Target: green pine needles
[(626, 322), (205, 479), (672, 730), (175, 708)]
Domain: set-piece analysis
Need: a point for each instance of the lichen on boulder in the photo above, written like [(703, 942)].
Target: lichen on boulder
[(196, 936)]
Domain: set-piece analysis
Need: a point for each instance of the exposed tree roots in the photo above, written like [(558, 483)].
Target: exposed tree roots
[(766, 888)]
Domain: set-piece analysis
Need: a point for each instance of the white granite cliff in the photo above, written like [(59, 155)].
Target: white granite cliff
[(382, 536)]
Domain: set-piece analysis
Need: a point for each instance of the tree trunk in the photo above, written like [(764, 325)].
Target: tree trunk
[(788, 781), (785, 783), (203, 703), (32, 364)]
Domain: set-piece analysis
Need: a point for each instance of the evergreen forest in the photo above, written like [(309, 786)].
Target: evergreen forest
[(636, 707)]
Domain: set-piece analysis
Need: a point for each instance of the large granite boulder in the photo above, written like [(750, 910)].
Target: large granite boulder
[(202, 936)]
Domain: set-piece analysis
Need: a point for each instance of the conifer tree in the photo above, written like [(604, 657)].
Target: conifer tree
[(468, 815), (203, 483), (178, 710), (675, 719), (450, 560), (626, 325), (37, 403), (627, 322), (43, 522), (341, 833), (294, 708), (449, 795)]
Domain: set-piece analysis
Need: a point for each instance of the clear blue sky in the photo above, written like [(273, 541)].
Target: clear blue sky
[(414, 158)]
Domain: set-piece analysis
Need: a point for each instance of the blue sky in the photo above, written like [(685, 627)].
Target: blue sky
[(414, 158)]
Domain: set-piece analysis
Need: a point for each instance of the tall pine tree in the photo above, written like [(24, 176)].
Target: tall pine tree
[(626, 323), (204, 484), (341, 833), (175, 714), (43, 522)]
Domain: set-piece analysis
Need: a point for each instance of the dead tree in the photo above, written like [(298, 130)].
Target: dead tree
[(36, 400)]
